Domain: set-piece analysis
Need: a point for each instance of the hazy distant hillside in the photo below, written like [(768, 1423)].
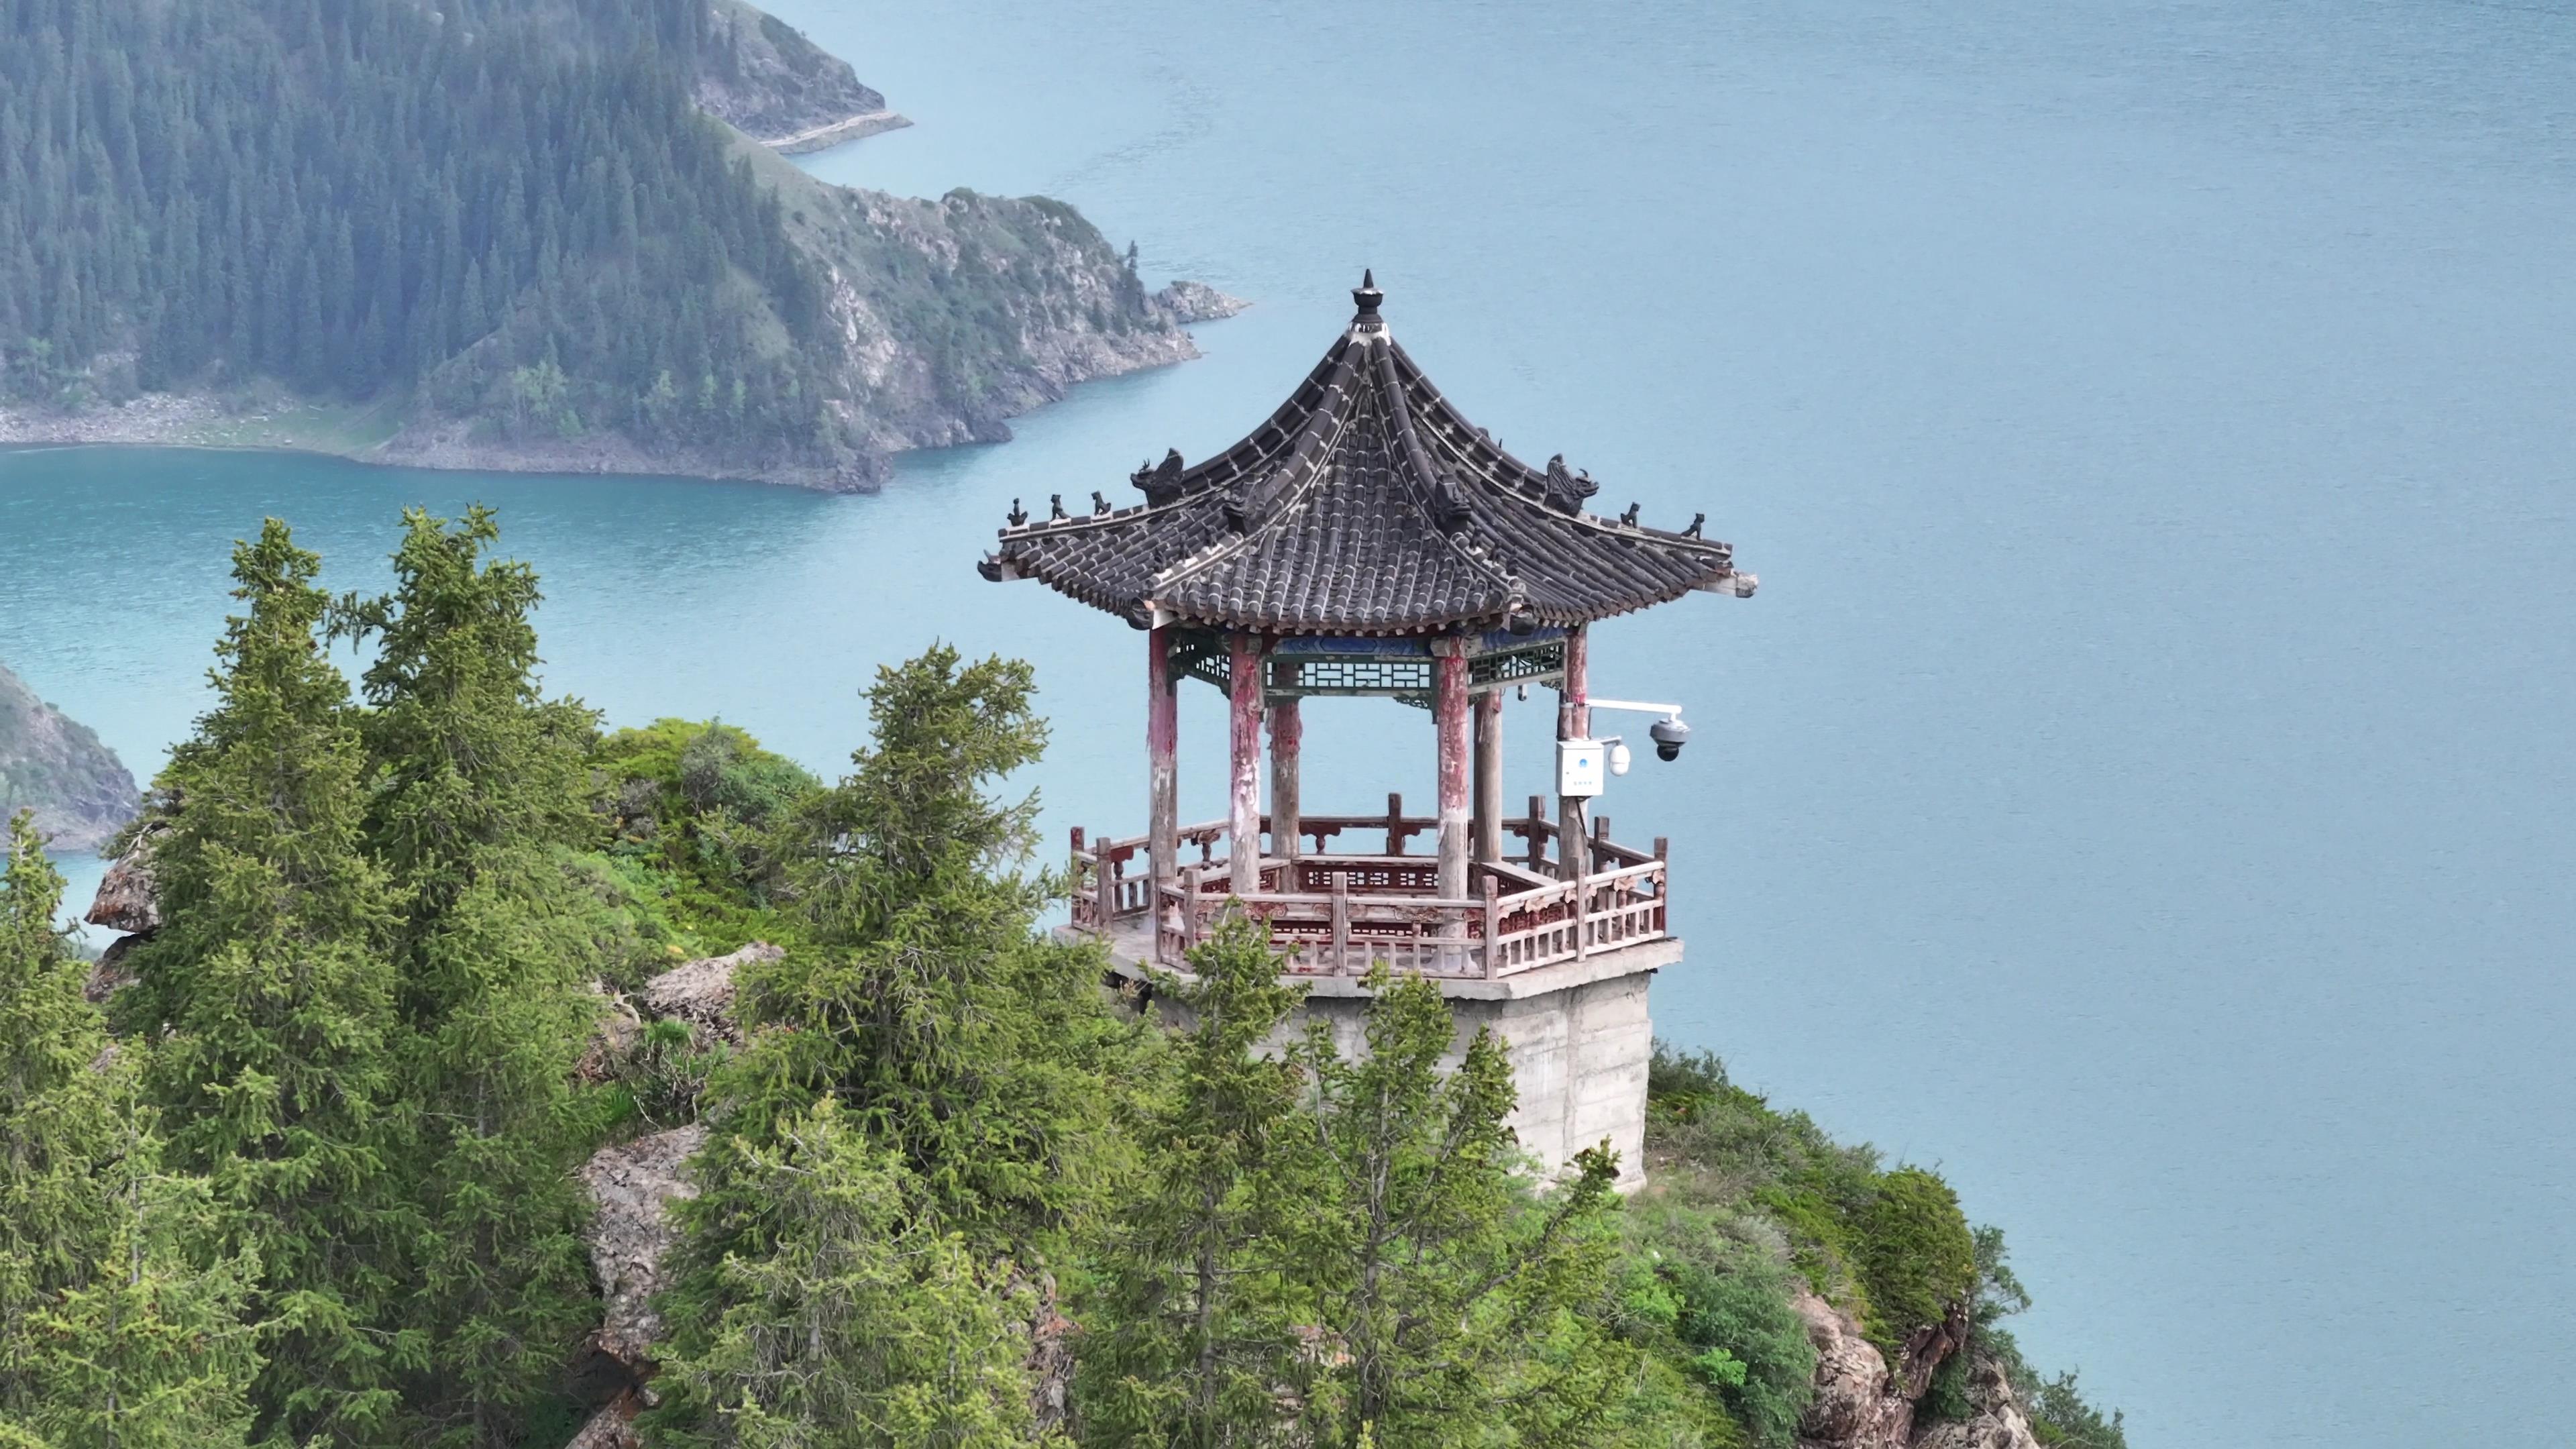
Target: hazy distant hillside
[(760, 75), (746, 67), (500, 233), (80, 791)]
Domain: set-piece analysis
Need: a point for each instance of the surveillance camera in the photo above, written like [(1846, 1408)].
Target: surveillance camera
[(1669, 735), (1618, 757)]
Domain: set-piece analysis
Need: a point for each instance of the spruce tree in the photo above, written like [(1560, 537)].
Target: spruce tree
[(268, 998), (56, 1123), (1195, 1336), (865, 1326), (923, 998), (477, 788), (121, 1323), (1455, 1304), (922, 1006)]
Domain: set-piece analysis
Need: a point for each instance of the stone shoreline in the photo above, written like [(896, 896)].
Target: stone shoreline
[(848, 128), (195, 420)]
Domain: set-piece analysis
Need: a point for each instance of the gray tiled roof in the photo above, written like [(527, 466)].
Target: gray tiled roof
[(1365, 505)]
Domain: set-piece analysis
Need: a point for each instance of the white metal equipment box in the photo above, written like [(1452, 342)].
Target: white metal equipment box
[(1580, 768)]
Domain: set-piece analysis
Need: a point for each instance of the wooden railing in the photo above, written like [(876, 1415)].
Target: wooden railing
[(1345, 914)]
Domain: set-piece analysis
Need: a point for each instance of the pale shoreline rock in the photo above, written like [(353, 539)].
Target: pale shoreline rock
[(1189, 302), (846, 129)]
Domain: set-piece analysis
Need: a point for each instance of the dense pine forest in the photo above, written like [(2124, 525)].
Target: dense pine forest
[(501, 211), (302, 1162)]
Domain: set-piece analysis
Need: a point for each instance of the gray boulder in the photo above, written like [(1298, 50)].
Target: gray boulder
[(701, 992), (128, 899)]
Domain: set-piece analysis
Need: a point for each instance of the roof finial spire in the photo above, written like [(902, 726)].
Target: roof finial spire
[(1368, 297)]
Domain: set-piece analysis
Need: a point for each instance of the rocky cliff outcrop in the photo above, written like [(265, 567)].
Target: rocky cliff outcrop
[(128, 900), (80, 792), (1198, 302), (1996, 1420), (633, 1185), (953, 315), (1861, 1403)]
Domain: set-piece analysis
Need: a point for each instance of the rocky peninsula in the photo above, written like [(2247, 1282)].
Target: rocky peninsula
[(684, 301)]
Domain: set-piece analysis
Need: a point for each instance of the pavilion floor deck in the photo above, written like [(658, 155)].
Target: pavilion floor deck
[(1344, 913)]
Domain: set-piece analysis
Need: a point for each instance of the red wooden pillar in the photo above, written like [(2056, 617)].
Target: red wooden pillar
[(1162, 747), (1449, 715), (1286, 732), (1489, 775), (1244, 734), (1573, 722)]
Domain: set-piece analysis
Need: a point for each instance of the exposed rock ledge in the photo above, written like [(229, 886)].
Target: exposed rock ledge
[(1189, 302), (763, 77), (1860, 1404), (848, 128), (128, 899), (1998, 1422)]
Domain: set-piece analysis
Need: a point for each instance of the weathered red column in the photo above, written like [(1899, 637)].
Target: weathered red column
[(1162, 749), (1573, 722), (1243, 846), (1489, 775), (1286, 732), (1449, 716)]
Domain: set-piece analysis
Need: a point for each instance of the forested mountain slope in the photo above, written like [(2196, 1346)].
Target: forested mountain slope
[(501, 234)]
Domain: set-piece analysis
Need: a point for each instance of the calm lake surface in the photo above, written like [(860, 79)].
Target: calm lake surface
[(2141, 788)]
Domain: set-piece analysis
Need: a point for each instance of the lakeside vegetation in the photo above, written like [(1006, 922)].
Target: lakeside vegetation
[(310, 1177)]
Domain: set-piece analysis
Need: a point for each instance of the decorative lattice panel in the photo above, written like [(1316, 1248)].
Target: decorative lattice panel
[(1398, 669), (1201, 654)]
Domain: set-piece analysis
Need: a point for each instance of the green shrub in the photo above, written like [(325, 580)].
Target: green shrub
[(2061, 1416), (1915, 1254), (1748, 1343), (725, 769), (697, 807), (1738, 1183), (1708, 1295)]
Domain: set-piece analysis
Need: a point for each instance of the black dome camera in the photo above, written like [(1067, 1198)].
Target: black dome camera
[(1669, 736)]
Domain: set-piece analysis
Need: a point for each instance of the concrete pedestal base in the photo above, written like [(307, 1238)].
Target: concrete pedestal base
[(1577, 1033)]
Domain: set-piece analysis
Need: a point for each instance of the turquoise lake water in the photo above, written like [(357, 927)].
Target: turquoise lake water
[(2141, 788)]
